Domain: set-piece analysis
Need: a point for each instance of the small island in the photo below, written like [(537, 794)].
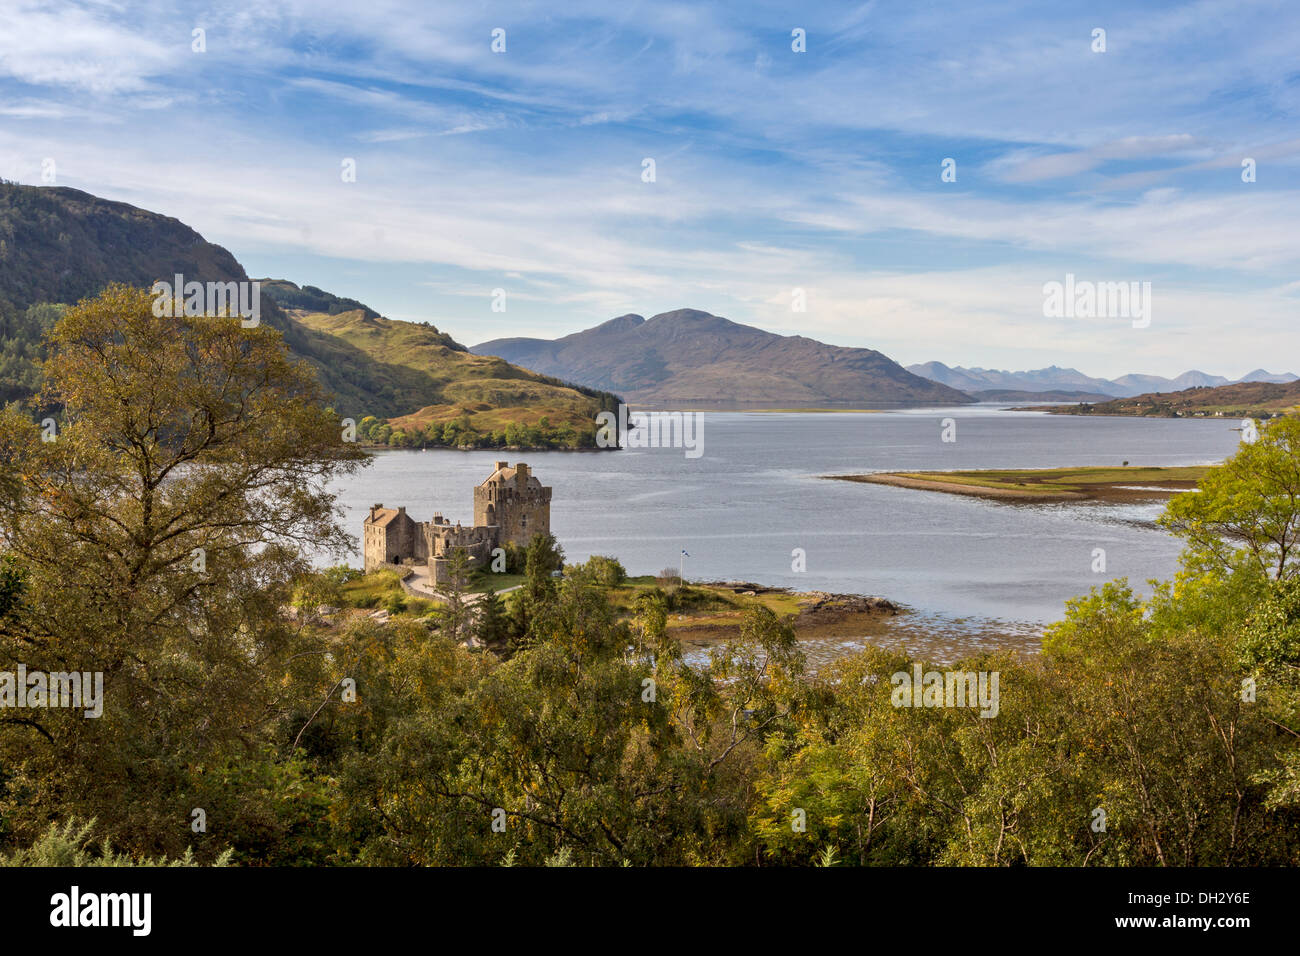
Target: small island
[(1037, 485)]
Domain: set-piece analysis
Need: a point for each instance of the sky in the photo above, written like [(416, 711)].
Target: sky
[(524, 168)]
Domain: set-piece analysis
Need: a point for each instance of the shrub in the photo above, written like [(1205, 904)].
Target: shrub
[(605, 570), (72, 844)]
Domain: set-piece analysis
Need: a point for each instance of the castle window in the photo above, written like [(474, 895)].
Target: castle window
[(523, 522)]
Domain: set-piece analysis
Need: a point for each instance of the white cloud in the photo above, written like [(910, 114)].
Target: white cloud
[(82, 48)]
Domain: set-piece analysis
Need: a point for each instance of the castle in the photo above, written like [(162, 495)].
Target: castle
[(509, 507)]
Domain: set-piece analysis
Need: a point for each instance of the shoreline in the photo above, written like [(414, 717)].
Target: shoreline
[(830, 626), (818, 615)]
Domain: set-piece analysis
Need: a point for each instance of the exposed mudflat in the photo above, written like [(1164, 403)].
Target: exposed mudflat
[(831, 626)]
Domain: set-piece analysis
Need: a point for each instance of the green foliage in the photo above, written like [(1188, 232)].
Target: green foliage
[(543, 556), (456, 617), (1246, 514), (492, 624), (1271, 639), (72, 844), (461, 433), (157, 538), (563, 739), (605, 571), (22, 348)]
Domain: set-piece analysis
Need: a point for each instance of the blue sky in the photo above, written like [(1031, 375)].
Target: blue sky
[(775, 170)]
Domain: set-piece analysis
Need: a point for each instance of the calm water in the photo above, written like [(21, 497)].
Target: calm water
[(755, 495)]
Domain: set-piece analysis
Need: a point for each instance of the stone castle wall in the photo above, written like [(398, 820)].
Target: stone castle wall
[(519, 506), (399, 540), (509, 507)]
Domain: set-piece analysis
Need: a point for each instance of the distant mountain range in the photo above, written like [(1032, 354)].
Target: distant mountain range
[(1056, 379), (693, 356), (1051, 395)]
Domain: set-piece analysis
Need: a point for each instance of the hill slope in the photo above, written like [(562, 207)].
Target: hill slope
[(688, 355), (1258, 399), (59, 245), (487, 392)]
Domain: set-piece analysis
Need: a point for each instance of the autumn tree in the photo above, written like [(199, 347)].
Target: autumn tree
[(157, 531)]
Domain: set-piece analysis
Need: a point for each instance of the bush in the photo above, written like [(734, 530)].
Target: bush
[(419, 606), (341, 574), (72, 844), (605, 571)]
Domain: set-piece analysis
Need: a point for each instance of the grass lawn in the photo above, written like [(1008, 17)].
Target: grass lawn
[(371, 590), (483, 581)]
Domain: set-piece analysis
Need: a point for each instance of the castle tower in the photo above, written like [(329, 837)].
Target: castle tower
[(515, 502)]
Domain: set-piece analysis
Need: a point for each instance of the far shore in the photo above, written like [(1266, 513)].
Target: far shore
[(691, 407)]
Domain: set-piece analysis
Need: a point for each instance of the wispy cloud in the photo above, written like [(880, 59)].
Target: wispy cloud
[(772, 169)]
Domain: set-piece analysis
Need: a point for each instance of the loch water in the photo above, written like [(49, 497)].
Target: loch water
[(757, 492)]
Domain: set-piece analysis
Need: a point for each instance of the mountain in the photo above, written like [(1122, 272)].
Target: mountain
[(1022, 396), (693, 356), (1259, 375), (1197, 379), (59, 245), (1138, 384), (1054, 378)]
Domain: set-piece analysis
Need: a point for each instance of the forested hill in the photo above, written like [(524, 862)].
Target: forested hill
[(59, 245)]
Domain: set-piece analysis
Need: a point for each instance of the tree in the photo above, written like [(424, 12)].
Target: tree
[(11, 585), (650, 620), (543, 556), (1269, 649), (1246, 514), (455, 617), (568, 744), (492, 626), (158, 537)]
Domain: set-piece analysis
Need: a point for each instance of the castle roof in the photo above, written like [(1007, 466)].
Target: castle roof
[(381, 517), (504, 474)]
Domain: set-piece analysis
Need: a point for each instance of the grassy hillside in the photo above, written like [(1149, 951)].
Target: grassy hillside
[(60, 245), (442, 382)]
